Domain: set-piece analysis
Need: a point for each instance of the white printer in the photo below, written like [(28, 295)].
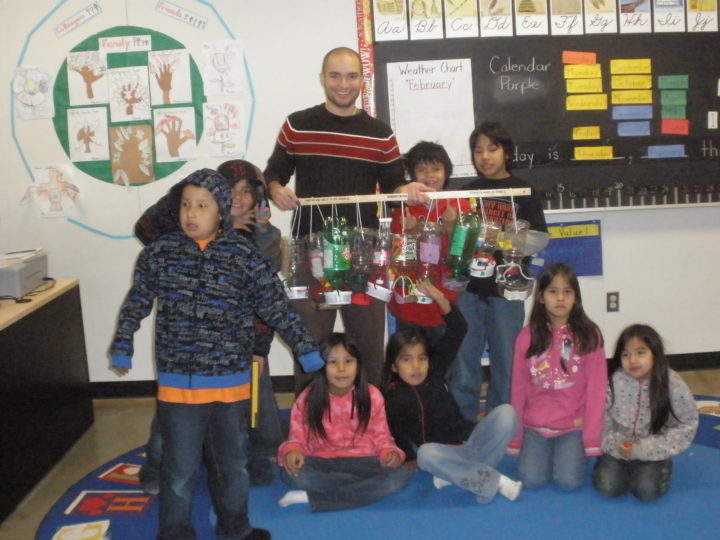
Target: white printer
[(22, 271)]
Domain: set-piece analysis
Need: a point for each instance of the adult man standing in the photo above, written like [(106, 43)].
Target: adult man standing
[(337, 149)]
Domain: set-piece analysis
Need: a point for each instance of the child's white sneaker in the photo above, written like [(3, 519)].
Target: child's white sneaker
[(509, 488), (439, 483)]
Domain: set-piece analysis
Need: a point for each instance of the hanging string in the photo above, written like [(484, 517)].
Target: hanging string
[(514, 213), (432, 203), (402, 216), (358, 219), (295, 224), (482, 209)]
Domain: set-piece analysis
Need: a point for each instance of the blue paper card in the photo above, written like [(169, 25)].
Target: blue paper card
[(632, 112), (633, 129), (666, 151)]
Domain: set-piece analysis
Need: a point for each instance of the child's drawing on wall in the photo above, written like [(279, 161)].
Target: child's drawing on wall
[(129, 94), (222, 68), (131, 155), (52, 193), (224, 133), (32, 93), (88, 134), (169, 77), (175, 134), (87, 83)]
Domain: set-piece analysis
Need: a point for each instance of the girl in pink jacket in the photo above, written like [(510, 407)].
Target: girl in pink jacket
[(558, 385), (340, 453)]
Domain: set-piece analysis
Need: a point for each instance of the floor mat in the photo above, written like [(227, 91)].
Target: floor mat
[(689, 510)]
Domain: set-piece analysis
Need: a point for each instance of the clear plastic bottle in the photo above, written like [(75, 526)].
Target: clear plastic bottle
[(483, 262), (295, 287), (315, 256), (380, 280), (514, 280), (462, 243), (429, 243), (336, 251)]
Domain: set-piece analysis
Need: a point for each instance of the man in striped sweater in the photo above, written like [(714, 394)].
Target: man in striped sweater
[(337, 149)]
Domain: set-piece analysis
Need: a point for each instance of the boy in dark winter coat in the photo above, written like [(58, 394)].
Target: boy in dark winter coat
[(208, 281), (252, 217)]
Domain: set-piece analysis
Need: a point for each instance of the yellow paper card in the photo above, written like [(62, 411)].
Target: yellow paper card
[(580, 133), (581, 71), (631, 82), (593, 152), (630, 65), (629, 97), (586, 102), (586, 229), (583, 86)]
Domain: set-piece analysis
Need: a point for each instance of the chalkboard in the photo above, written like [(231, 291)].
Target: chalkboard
[(520, 82)]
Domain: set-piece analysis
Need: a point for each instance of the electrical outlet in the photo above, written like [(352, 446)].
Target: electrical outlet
[(613, 301)]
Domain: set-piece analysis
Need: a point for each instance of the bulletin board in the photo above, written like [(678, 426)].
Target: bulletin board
[(668, 156)]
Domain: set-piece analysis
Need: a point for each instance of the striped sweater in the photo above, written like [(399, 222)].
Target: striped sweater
[(336, 155)]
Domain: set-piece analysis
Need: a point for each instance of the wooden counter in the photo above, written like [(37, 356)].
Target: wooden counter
[(45, 400)]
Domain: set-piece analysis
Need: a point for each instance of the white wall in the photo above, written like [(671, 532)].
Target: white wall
[(647, 254), (664, 264)]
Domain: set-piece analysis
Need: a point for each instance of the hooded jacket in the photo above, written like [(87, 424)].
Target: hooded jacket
[(627, 418), (163, 217), (206, 301)]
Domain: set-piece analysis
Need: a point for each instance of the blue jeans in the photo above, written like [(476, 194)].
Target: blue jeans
[(472, 465), (185, 429), (262, 448), (561, 459), (342, 483), (495, 322), (646, 480)]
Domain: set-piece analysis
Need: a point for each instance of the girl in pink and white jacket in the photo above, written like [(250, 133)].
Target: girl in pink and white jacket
[(558, 385), (340, 453)]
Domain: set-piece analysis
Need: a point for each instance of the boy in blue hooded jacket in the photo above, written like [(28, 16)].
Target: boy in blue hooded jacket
[(208, 280)]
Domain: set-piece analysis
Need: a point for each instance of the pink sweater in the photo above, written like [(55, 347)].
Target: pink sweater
[(553, 402), (341, 430)]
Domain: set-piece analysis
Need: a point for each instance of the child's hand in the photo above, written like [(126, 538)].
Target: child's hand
[(245, 221), (626, 449), (450, 214), (293, 462), (431, 291), (262, 218), (392, 460), (410, 222)]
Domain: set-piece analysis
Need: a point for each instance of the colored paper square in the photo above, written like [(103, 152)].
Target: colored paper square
[(580, 133), (673, 111), (670, 126), (630, 65), (673, 81), (673, 97), (666, 151), (579, 57), (634, 129), (632, 112)]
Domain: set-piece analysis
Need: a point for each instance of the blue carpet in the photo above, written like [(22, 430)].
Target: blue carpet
[(688, 510)]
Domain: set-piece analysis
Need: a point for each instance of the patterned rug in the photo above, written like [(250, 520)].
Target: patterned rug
[(108, 501)]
